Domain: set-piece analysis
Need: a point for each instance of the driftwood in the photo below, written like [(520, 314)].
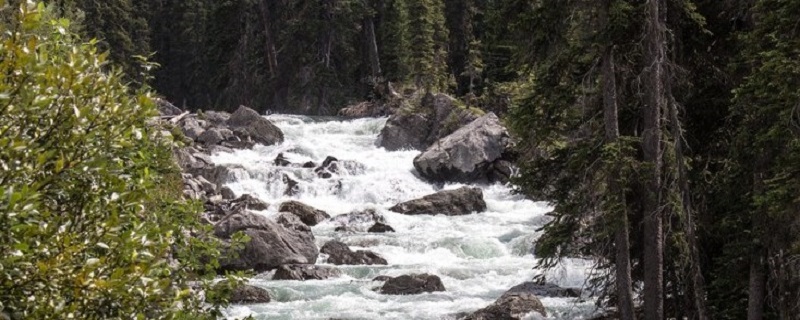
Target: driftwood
[(177, 118)]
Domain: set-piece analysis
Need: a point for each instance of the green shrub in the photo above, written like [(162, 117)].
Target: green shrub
[(93, 225)]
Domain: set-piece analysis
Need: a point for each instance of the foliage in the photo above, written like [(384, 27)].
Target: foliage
[(90, 204)]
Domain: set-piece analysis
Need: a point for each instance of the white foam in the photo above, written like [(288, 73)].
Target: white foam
[(478, 256)]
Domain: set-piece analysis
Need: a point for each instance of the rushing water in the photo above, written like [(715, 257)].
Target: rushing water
[(477, 256)]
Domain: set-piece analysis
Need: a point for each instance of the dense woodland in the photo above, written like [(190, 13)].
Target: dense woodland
[(666, 132)]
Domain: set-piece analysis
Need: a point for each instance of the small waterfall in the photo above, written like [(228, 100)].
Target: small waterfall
[(477, 256)]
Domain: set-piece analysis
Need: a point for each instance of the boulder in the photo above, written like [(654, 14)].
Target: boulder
[(272, 244), (339, 254), (192, 128), (165, 108), (215, 118), (248, 202), (291, 185), (510, 306), (281, 161), (466, 155), (307, 214), (251, 127), (247, 294), (214, 136), (405, 130), (412, 284), (305, 272), (546, 290), (227, 193), (380, 228), (358, 220), (461, 201), (418, 127), (382, 278)]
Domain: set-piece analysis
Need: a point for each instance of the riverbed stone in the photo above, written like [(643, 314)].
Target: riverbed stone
[(358, 220), (272, 244), (305, 272), (546, 290), (461, 201), (307, 214), (248, 294), (249, 126), (340, 254), (380, 228), (466, 155), (510, 306), (412, 284)]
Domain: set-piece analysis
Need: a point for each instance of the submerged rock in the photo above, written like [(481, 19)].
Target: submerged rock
[(380, 228), (305, 272), (510, 306), (412, 284), (546, 290), (461, 201), (340, 254), (272, 244), (468, 154), (308, 214), (358, 221)]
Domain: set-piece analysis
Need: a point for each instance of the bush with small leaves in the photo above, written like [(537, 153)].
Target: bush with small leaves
[(92, 219)]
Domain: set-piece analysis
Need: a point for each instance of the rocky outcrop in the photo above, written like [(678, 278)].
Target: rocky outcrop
[(412, 284), (419, 126), (241, 130), (305, 272), (248, 294), (461, 201), (474, 152), (546, 290), (510, 306), (272, 244), (306, 213), (340, 254)]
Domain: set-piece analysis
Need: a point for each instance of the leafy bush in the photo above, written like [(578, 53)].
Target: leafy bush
[(93, 225)]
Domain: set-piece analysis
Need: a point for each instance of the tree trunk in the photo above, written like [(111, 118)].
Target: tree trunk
[(271, 54), (698, 291), (621, 238), (757, 289), (372, 47), (651, 149)]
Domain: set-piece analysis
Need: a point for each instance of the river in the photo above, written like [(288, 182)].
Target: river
[(477, 256)]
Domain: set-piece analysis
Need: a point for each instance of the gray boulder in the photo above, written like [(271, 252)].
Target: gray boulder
[(418, 127), (405, 130), (510, 306), (272, 244), (461, 201), (165, 108), (412, 284), (358, 221), (305, 272), (214, 136), (192, 128), (466, 155), (306, 213), (340, 254), (250, 127), (546, 290), (247, 294)]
